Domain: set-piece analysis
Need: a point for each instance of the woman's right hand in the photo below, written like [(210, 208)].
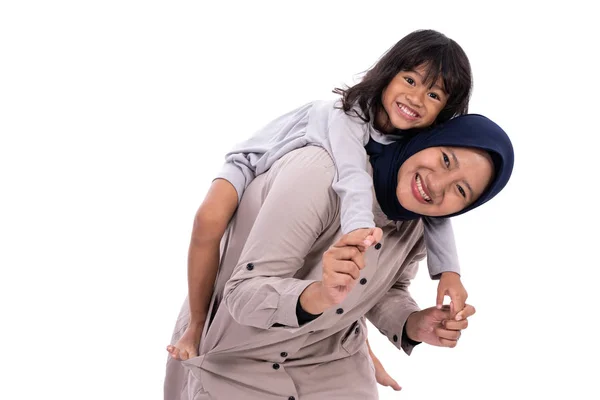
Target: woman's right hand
[(187, 346), (342, 264)]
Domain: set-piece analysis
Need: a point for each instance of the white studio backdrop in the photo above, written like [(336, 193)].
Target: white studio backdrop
[(115, 116)]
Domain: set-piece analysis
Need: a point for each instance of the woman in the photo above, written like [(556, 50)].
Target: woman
[(288, 313)]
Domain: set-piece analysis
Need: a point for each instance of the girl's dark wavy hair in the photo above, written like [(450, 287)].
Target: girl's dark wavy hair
[(442, 57)]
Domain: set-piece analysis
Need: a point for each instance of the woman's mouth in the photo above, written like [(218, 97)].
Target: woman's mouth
[(407, 112), (418, 189)]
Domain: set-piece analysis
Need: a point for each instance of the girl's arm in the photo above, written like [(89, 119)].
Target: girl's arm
[(442, 261), (441, 247), (354, 185)]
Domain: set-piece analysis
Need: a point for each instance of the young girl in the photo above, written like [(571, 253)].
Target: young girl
[(423, 80)]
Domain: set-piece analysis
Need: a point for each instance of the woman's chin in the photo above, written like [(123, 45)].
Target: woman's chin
[(408, 202)]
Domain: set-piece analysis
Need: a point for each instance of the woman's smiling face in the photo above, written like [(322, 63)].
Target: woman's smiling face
[(440, 181)]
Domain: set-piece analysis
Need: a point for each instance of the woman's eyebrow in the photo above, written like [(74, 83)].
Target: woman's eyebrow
[(455, 159), (468, 187)]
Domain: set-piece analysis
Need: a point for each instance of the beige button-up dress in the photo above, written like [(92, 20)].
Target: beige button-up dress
[(253, 348)]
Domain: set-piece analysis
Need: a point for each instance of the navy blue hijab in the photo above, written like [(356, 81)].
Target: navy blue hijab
[(471, 130)]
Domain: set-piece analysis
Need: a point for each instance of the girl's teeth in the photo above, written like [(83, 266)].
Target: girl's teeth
[(407, 110), (421, 191)]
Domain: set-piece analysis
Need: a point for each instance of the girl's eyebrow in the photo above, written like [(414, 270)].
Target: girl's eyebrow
[(435, 86)]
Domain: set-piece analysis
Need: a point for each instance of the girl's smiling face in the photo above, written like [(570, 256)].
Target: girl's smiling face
[(440, 181), (410, 102)]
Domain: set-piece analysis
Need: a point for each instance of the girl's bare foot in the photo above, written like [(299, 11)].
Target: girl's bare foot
[(187, 346), (383, 378)]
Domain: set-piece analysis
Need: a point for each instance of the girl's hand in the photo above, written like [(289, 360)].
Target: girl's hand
[(451, 285), (438, 327), (364, 238)]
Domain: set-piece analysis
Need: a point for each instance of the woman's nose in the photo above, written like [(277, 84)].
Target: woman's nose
[(438, 182)]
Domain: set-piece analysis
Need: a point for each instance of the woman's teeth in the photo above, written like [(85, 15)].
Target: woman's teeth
[(421, 191)]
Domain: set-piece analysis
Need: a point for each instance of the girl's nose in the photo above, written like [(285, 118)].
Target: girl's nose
[(415, 97)]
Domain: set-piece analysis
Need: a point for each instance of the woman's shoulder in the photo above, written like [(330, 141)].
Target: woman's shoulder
[(301, 180), (409, 236), (308, 164)]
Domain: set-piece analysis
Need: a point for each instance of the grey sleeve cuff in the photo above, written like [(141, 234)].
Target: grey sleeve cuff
[(285, 314), (358, 224), (234, 175), (441, 247), (265, 302)]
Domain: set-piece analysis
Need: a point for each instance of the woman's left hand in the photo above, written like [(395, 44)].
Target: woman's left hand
[(437, 327)]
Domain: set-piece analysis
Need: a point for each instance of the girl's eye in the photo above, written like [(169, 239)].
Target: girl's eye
[(462, 191), (410, 80), (434, 96), (446, 160)]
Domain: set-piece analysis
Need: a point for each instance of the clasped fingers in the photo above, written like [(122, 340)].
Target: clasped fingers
[(346, 253)]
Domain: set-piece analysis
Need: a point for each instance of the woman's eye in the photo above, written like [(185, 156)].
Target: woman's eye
[(410, 81), (446, 160), (462, 191)]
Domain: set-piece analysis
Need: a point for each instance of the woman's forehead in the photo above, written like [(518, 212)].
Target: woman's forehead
[(466, 151)]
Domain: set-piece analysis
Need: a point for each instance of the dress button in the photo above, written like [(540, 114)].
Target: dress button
[(356, 331), (395, 338), (283, 354), (275, 366), (291, 398), (249, 266), (339, 311), (363, 281), (377, 246)]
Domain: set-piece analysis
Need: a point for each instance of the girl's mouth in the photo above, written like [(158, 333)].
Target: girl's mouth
[(407, 112)]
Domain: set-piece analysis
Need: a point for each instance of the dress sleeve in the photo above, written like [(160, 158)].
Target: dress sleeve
[(297, 207), (390, 313)]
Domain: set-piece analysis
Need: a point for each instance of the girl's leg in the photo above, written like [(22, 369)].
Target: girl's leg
[(210, 223)]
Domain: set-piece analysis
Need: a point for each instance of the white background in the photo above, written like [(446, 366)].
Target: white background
[(115, 116)]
